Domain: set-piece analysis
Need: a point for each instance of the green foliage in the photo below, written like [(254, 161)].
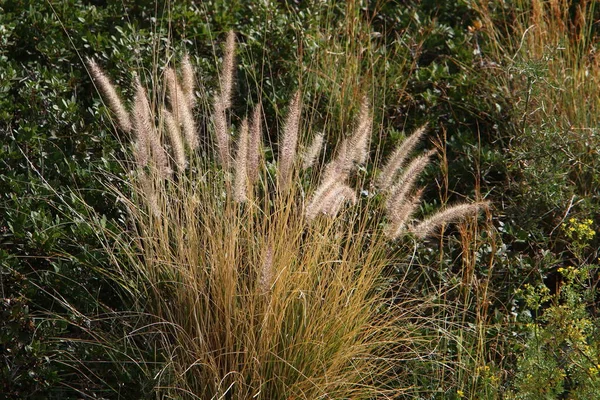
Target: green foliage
[(560, 357)]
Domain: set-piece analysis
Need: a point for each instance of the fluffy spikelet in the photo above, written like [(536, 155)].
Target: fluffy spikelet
[(188, 81), (452, 214), (266, 271), (174, 132), (311, 153), (400, 215), (221, 132), (181, 108), (111, 96), (289, 142), (254, 144), (150, 194), (353, 149), (142, 125), (146, 131), (335, 198), (406, 182), (359, 142), (227, 70), (241, 164), (324, 190), (398, 157)]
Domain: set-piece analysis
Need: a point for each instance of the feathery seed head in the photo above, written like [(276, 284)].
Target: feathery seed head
[(399, 191), (147, 136), (452, 214), (221, 132), (334, 200), (142, 125), (188, 80), (289, 142), (254, 144), (241, 165), (111, 95), (400, 215), (359, 143), (266, 271), (310, 154), (174, 132), (227, 70), (398, 157), (182, 108)]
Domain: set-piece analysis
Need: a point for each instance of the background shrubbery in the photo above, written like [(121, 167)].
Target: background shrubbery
[(510, 91)]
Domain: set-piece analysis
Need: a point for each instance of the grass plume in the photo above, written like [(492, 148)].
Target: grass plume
[(172, 128), (312, 152), (289, 142), (449, 215), (241, 165), (254, 144), (398, 157), (110, 94), (181, 108)]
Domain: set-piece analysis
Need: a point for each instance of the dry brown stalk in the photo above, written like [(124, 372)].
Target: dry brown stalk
[(111, 96), (310, 154), (254, 144), (289, 142), (241, 165), (398, 157), (174, 132), (452, 214)]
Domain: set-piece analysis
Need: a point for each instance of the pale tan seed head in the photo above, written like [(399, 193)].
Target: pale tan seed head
[(400, 215), (359, 142), (110, 94), (221, 132), (353, 150), (398, 157), (240, 186), (188, 81), (147, 136), (227, 71), (312, 151), (334, 200), (254, 144), (452, 214), (265, 280), (172, 128), (398, 192), (289, 142), (181, 108), (142, 126)]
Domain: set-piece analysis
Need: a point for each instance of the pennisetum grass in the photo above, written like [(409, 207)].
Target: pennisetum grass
[(269, 296)]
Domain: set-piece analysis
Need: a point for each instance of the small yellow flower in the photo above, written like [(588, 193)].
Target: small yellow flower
[(460, 393)]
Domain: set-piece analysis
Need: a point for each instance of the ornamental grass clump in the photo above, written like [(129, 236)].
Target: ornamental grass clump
[(259, 287)]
